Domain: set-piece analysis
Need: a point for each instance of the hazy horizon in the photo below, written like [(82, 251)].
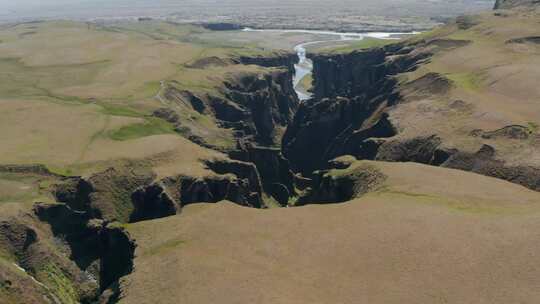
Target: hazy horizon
[(231, 9)]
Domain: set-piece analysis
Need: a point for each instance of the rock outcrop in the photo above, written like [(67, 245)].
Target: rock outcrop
[(70, 256), (341, 183), (213, 189), (257, 106), (27, 169), (276, 59), (277, 178), (25, 243), (357, 73), (102, 250), (485, 162), (422, 150), (125, 195), (152, 202), (352, 92), (106, 195)]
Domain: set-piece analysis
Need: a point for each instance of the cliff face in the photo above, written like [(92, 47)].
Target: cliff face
[(125, 195), (275, 170), (67, 256), (276, 59), (351, 93), (255, 103), (247, 112), (348, 74), (419, 101), (256, 106)]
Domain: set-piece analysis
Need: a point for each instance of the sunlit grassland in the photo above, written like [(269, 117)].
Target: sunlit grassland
[(152, 126), (73, 93), (87, 61), (23, 188), (467, 81)]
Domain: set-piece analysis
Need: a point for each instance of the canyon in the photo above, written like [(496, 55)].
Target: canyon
[(205, 171)]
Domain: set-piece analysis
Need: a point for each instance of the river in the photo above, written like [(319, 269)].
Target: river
[(304, 67)]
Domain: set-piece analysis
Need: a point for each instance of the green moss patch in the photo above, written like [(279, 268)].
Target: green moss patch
[(53, 277), (533, 127), (470, 205), (152, 126), (21, 188), (467, 81), (119, 110), (168, 245)]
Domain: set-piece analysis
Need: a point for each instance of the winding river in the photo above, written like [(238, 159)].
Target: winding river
[(304, 67)]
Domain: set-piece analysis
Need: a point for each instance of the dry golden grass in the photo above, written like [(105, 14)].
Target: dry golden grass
[(73, 95), (429, 235), (50, 133), (23, 189), (115, 63)]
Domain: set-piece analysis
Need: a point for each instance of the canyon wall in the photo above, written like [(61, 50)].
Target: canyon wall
[(352, 113), (351, 93)]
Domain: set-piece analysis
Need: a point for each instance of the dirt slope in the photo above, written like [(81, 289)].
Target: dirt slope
[(428, 235)]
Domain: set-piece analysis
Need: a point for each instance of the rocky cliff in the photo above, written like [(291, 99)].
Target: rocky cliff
[(275, 59), (275, 170), (352, 92), (256, 103), (126, 195), (257, 106), (405, 102)]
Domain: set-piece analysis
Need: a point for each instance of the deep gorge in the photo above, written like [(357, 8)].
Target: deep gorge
[(284, 148)]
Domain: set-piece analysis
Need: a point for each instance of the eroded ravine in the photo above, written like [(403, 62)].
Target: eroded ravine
[(347, 115)]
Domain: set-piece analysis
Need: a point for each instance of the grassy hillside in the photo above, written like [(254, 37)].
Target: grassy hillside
[(75, 94), (492, 69), (425, 235), (347, 46)]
